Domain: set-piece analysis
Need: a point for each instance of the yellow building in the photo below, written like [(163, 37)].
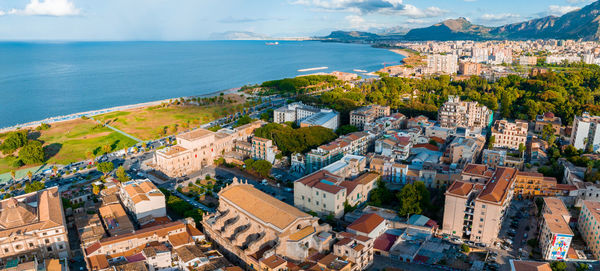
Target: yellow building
[(532, 184)]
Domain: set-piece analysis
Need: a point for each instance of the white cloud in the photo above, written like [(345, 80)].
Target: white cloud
[(48, 8), (390, 7), (560, 10), (499, 17)]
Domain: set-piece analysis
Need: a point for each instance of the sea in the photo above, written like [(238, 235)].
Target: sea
[(39, 80)]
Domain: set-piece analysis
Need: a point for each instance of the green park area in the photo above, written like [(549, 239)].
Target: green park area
[(58, 143), (170, 118)]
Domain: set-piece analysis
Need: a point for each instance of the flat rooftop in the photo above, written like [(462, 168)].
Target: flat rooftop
[(195, 134)]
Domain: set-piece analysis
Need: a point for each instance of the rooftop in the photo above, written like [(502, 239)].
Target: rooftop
[(497, 187), (195, 134), (367, 223)]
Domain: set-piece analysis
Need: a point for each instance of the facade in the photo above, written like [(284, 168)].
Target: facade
[(447, 64), (555, 234), (326, 193), (368, 114), (33, 225), (548, 118), (463, 150), (469, 68), (293, 112), (143, 199), (456, 113), (199, 148), (532, 184), (356, 143), (588, 224), (586, 132), (350, 166), (355, 248), (475, 211), (263, 149), (252, 225), (510, 135)]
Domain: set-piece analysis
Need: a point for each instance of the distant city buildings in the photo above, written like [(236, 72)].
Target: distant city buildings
[(457, 113), (446, 64)]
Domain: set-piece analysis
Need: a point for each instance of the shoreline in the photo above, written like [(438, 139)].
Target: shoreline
[(91, 113), (403, 52)]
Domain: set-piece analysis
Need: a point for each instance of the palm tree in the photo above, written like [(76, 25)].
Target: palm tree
[(29, 175), (13, 173)]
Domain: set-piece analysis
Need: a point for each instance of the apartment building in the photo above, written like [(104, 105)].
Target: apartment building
[(475, 211), (357, 249), (368, 114), (263, 149), (33, 226), (115, 219), (384, 124), (251, 225), (356, 143), (532, 184), (456, 113), (397, 147), (555, 235), (199, 148), (588, 224), (585, 133), (143, 199), (510, 135), (547, 118), (463, 150), (447, 64), (469, 68), (350, 166), (527, 60), (326, 193)]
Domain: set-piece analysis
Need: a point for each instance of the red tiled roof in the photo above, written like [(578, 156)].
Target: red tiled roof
[(460, 188), (427, 146), (366, 223), (497, 187), (385, 242)]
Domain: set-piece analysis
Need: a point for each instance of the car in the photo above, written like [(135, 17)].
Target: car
[(288, 189)]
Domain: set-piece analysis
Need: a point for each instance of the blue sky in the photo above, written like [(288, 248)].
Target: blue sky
[(198, 19)]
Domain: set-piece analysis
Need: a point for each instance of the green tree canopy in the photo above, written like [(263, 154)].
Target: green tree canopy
[(32, 153), (122, 175), (410, 200), (34, 186), (106, 167)]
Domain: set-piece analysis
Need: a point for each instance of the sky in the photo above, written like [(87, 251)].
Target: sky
[(205, 19)]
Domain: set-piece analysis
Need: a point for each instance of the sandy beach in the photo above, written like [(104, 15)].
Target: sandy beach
[(403, 52)]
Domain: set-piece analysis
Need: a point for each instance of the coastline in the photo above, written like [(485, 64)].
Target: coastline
[(92, 113), (403, 52)]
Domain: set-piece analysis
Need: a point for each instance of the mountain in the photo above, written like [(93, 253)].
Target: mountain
[(583, 24)]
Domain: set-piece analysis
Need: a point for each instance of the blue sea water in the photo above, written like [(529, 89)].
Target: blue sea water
[(41, 80)]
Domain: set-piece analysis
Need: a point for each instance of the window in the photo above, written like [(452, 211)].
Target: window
[(5, 250), (47, 241), (49, 248)]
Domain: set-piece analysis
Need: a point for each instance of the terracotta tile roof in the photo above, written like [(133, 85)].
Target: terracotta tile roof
[(439, 140), (385, 242), (274, 261), (497, 187), (567, 187), (366, 223), (475, 169), (367, 178), (189, 253), (193, 231), (303, 233), (180, 239), (262, 206), (460, 188), (530, 174), (349, 185), (557, 224), (531, 266), (98, 262), (427, 146), (323, 180)]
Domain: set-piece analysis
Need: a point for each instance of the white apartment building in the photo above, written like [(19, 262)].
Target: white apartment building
[(143, 200), (558, 59), (528, 61), (456, 113), (510, 135), (586, 132), (447, 64)]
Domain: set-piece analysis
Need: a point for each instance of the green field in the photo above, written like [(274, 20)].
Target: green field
[(69, 141), (157, 121)]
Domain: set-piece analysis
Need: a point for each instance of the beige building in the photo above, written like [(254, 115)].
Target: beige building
[(457, 113), (115, 219), (251, 225), (368, 114), (589, 226), (555, 234), (547, 118), (263, 149), (199, 148), (33, 226), (469, 68), (357, 249), (510, 135), (143, 199), (325, 193), (474, 211), (447, 64)]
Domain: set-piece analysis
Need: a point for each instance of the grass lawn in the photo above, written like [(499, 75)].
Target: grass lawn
[(69, 141), (157, 121)]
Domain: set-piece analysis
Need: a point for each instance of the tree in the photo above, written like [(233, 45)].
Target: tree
[(96, 189), (13, 141), (122, 175), (381, 195), (90, 155), (464, 248), (29, 175), (409, 200), (521, 149), (106, 167), (13, 174), (243, 120), (425, 197), (106, 149), (55, 170), (32, 153), (491, 142), (548, 134), (558, 266), (262, 167), (34, 186), (346, 129)]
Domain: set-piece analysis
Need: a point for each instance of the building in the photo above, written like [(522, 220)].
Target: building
[(356, 143), (143, 199), (33, 226), (370, 225), (463, 150), (325, 118), (456, 113), (326, 193), (447, 64), (251, 225), (115, 219), (527, 60), (510, 135), (547, 118), (586, 132), (199, 148), (382, 125), (475, 211), (357, 249), (532, 184), (396, 147), (469, 68), (555, 234), (529, 266), (368, 114), (588, 225), (345, 76), (263, 149), (350, 166), (89, 228)]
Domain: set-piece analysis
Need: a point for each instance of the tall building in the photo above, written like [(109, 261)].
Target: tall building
[(588, 224), (510, 135), (457, 113), (252, 226), (143, 199), (475, 211), (32, 226), (586, 132), (555, 234), (368, 114), (263, 149), (447, 64)]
